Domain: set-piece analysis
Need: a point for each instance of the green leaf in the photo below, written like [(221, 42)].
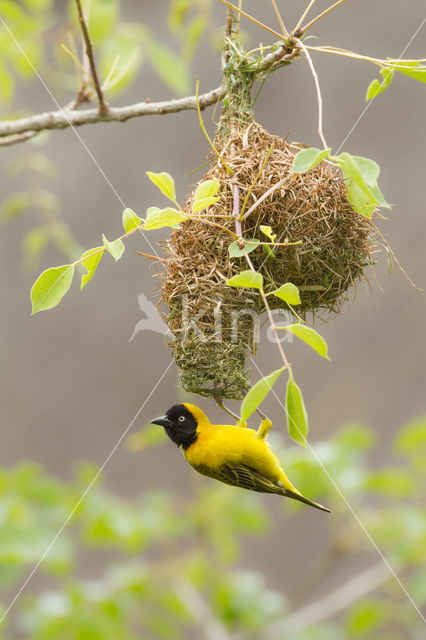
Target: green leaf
[(366, 617), (411, 68), (258, 393), (203, 203), (115, 247), (165, 183), (246, 279), (375, 87), (7, 85), (193, 35), (159, 218), (101, 15), (50, 287), (169, 67), (355, 438), (235, 251), (361, 175), (268, 232), (121, 56), (206, 189), (205, 194), (268, 251), (130, 220), (392, 482), (297, 418), (310, 337), (307, 159), (411, 441), (289, 293), (90, 260), (33, 245)]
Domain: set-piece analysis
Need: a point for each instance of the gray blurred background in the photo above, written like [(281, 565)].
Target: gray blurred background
[(71, 382)]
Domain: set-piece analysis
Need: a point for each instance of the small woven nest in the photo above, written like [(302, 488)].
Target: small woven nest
[(312, 208)]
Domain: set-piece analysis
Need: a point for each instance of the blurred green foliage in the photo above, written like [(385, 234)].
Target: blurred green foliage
[(121, 48), (152, 564)]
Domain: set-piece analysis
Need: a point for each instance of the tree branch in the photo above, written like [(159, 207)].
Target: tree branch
[(64, 118), (16, 139), (103, 107), (201, 612), (329, 605)]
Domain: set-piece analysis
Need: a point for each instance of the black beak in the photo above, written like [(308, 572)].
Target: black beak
[(163, 421)]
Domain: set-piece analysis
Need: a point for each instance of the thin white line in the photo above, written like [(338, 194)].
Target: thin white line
[(340, 492), (335, 485), (83, 495), (367, 106), (108, 181)]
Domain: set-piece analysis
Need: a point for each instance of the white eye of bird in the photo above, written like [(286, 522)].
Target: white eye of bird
[(181, 418)]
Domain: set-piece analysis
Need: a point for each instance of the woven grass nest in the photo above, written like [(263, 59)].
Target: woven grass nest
[(312, 208)]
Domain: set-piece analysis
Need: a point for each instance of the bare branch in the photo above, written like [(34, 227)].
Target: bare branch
[(330, 605), (103, 107), (70, 117), (64, 118), (321, 15), (16, 139)]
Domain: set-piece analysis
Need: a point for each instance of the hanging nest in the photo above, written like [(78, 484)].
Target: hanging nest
[(311, 208)]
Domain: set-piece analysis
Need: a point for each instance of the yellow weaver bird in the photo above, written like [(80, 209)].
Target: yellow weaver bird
[(235, 455)]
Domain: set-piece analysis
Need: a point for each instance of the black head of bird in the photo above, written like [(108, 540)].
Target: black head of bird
[(180, 425)]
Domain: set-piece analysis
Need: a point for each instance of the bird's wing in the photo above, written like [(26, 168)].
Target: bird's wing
[(240, 475)]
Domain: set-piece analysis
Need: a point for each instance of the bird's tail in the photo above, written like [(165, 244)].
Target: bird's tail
[(298, 496)]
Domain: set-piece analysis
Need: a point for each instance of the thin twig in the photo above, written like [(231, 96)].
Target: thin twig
[(16, 139), (249, 17), (357, 56), (280, 20), (219, 401), (321, 15), (103, 107), (319, 97), (304, 14), (267, 193), (148, 255)]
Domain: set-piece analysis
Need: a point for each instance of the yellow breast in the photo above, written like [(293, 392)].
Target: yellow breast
[(217, 445)]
